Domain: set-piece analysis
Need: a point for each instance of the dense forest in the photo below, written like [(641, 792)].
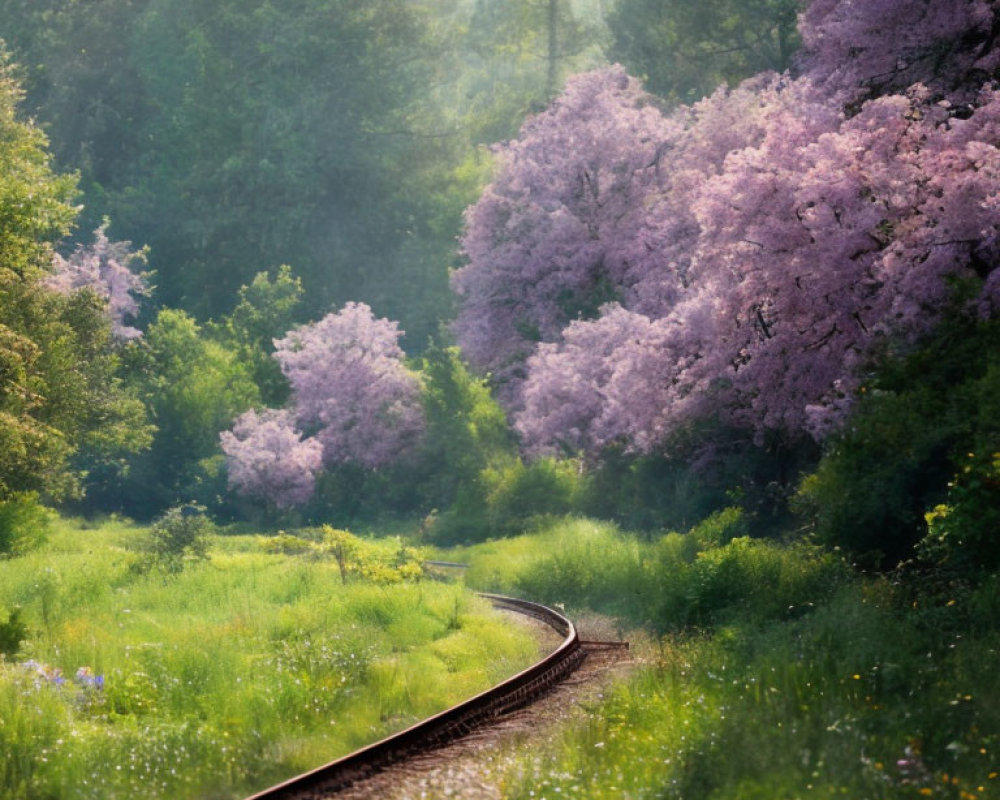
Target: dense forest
[(662, 294), (478, 267)]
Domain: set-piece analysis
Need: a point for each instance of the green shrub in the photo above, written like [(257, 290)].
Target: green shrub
[(175, 539), (705, 578), (287, 544), (748, 580), (522, 492), (23, 524), (964, 533), (906, 439), (870, 491), (12, 633)]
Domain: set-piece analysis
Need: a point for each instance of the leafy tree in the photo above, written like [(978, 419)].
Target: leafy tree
[(466, 430), (265, 311), (684, 49), (193, 387), (529, 42), (467, 434), (59, 397)]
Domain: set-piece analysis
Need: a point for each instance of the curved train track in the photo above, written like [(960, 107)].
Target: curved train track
[(451, 724)]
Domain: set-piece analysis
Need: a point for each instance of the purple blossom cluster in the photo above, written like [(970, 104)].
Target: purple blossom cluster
[(350, 385), (748, 258), (353, 401), (104, 267), (268, 457)]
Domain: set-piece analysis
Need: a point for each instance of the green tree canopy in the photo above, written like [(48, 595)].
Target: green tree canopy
[(59, 398), (683, 49)]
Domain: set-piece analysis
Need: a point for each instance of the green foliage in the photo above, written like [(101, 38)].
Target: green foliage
[(378, 562), (12, 633), (36, 201), (466, 435), (193, 387), (466, 429), (521, 492), (59, 397), (964, 533), (265, 311), (651, 492), (702, 579), (236, 667), (243, 134), (907, 438), (177, 538), (288, 544), (23, 524), (684, 49), (750, 580), (534, 44)]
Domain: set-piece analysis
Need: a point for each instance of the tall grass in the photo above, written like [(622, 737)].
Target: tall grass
[(779, 673), (700, 578), (853, 701), (226, 677)]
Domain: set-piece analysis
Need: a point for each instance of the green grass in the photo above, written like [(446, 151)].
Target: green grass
[(224, 678), (674, 582), (778, 672)]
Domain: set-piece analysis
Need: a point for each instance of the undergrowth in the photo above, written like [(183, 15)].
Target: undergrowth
[(779, 672), (218, 680)]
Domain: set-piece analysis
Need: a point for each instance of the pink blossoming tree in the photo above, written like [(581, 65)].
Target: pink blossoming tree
[(268, 458), (351, 388), (113, 271), (353, 402), (765, 248)]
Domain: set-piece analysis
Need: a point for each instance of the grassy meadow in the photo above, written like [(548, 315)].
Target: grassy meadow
[(224, 677), (775, 672)]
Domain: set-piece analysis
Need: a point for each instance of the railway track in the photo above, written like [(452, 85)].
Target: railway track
[(452, 723)]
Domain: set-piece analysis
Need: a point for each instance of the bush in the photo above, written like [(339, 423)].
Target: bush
[(23, 525), (963, 533), (749, 580), (520, 493), (379, 562), (907, 437), (509, 499), (175, 539), (12, 633)]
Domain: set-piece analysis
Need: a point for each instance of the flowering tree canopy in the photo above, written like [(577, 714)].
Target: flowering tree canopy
[(350, 386), (764, 248), (104, 267), (858, 50), (352, 396), (268, 458)]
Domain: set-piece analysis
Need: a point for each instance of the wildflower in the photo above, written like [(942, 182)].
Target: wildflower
[(911, 767), (44, 672), (85, 677)]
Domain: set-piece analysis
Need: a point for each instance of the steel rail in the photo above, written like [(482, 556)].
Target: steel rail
[(450, 724)]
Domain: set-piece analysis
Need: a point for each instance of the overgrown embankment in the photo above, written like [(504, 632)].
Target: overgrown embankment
[(778, 671), (229, 673)]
